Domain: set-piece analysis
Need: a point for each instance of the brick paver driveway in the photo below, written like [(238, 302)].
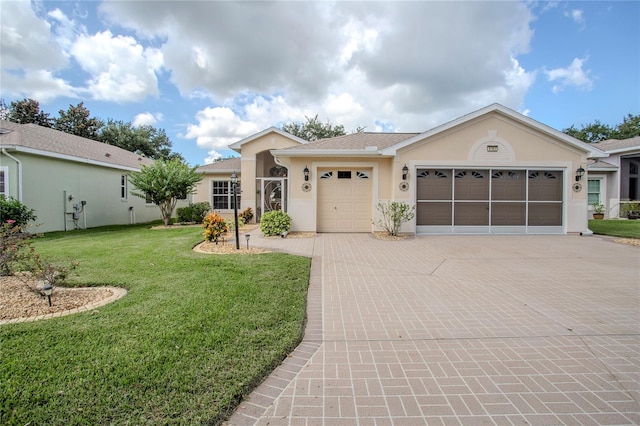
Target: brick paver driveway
[(470, 330)]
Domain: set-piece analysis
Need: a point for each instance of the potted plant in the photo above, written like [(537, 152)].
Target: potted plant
[(630, 210), (598, 210)]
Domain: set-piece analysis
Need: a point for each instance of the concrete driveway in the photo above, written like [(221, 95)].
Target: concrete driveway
[(535, 330)]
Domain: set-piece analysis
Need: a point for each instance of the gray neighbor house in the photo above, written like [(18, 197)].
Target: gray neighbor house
[(614, 180), (71, 182)]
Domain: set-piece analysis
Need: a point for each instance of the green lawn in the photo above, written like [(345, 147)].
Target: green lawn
[(195, 333), (616, 228)]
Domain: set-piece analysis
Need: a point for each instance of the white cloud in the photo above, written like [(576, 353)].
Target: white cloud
[(39, 48), (248, 65), (147, 119), (577, 15), (121, 69), (213, 157), (219, 127), (572, 76), (308, 52), (22, 50), (40, 85)]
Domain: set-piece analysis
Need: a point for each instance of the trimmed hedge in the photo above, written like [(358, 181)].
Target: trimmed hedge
[(194, 212)]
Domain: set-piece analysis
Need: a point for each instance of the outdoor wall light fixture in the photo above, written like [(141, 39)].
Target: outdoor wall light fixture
[(579, 174), (306, 174), (247, 236), (405, 172), (47, 290), (234, 183)]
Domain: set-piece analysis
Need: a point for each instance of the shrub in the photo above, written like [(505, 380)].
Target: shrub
[(194, 212), (15, 249), (393, 215), (214, 227), (246, 215), (275, 223), (12, 209), (231, 225), (51, 273)]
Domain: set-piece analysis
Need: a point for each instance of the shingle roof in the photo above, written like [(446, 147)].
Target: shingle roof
[(226, 165), (360, 140), (619, 144), (601, 165), (49, 142)]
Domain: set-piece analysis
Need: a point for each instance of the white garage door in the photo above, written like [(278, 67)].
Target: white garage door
[(344, 200)]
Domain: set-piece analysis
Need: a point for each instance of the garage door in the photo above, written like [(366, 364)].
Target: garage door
[(344, 200), (489, 201)]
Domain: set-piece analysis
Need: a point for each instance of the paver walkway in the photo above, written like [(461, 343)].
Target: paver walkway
[(535, 330)]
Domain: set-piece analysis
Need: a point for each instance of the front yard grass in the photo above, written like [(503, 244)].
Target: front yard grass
[(195, 333), (616, 228)]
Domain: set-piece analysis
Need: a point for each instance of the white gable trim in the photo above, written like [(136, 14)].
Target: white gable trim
[(236, 146), (55, 155), (592, 152)]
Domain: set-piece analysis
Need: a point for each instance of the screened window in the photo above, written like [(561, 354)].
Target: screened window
[(222, 195)]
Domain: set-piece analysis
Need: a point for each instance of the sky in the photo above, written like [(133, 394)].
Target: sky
[(213, 72)]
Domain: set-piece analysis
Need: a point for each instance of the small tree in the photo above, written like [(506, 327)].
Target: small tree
[(165, 182), (394, 214)]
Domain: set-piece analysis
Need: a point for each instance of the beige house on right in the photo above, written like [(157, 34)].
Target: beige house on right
[(493, 171)]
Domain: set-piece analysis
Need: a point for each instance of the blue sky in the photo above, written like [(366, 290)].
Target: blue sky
[(211, 73)]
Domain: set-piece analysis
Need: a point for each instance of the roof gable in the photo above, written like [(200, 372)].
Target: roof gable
[(44, 141), (228, 165), (591, 151), (237, 146), (615, 146)]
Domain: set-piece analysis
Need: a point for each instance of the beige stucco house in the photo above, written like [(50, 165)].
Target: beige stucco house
[(71, 182), (493, 171)]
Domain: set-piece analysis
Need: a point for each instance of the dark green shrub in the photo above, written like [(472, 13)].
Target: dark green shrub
[(246, 215), (194, 212), (275, 223), (12, 209)]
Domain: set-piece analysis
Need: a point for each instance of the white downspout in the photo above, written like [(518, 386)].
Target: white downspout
[(19, 163)]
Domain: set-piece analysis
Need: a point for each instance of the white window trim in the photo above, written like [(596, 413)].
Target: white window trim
[(124, 186), (5, 191), (603, 188), (229, 195)]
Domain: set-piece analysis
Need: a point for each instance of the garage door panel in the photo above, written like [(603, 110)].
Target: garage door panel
[(467, 214), (433, 214), (471, 185), (545, 214), (508, 214)]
